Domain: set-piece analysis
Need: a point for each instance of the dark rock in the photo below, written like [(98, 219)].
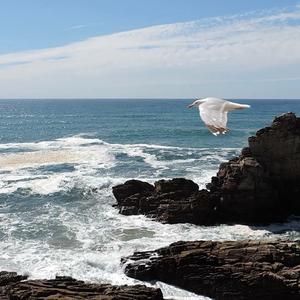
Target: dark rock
[(69, 288), (166, 201), (277, 147), (224, 270), (130, 188), (246, 193), (7, 278), (176, 184), (246, 152), (259, 186), (10, 277)]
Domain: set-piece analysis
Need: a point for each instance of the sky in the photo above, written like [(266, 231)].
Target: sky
[(149, 49)]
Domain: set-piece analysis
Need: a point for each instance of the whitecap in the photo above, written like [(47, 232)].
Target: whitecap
[(93, 159), (69, 227)]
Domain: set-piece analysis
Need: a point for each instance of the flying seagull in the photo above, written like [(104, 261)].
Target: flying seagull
[(213, 112)]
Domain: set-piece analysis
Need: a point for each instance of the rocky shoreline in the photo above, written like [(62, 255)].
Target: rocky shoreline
[(17, 287), (224, 270), (261, 185)]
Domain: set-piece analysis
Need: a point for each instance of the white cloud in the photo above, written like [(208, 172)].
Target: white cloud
[(226, 56), (75, 27)]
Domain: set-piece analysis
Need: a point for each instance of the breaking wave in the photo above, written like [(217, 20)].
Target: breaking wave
[(57, 215), (50, 166)]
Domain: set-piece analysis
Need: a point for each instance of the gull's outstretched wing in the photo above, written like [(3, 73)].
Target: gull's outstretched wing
[(214, 115)]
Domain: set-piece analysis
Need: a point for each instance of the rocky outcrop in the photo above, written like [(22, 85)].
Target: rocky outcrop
[(246, 193), (10, 277), (277, 147), (168, 200), (224, 270), (259, 186), (69, 288), (132, 191), (262, 184), (7, 278)]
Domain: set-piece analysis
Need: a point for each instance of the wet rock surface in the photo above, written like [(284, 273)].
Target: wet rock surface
[(68, 288), (10, 277), (168, 200), (261, 185), (224, 270), (7, 278)]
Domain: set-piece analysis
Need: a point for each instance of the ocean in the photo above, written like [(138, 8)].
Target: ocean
[(60, 158)]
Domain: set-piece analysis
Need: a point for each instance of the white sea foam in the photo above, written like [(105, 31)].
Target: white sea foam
[(91, 159), (37, 158), (94, 239), (82, 235)]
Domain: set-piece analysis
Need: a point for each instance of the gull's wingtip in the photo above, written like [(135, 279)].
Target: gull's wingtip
[(239, 106), (244, 106)]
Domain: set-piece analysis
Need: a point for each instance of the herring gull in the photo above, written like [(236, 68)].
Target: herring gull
[(213, 112)]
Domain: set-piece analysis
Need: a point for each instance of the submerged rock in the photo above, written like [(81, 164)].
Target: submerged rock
[(259, 186), (69, 288), (224, 270)]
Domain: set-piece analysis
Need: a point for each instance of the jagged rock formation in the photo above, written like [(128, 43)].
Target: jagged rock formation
[(259, 186), (10, 277), (168, 200), (7, 278), (68, 288), (245, 270)]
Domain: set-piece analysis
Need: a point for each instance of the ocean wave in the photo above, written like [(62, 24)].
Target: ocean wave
[(85, 161), (56, 202), (57, 216), (87, 240)]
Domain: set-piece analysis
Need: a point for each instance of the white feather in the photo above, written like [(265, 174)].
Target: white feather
[(213, 112)]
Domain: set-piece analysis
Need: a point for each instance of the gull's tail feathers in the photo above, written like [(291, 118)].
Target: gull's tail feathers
[(216, 130)]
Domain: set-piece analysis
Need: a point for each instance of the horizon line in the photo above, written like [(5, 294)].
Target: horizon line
[(141, 98)]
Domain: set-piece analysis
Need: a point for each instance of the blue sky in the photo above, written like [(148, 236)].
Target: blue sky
[(166, 48), (33, 24)]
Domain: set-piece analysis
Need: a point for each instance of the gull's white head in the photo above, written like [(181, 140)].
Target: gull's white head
[(196, 103)]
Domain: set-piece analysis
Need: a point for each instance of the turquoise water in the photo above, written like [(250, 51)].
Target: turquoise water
[(60, 158)]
